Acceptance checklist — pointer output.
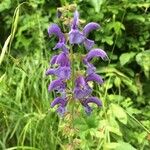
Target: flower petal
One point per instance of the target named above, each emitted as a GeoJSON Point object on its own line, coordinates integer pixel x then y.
{"type": "Point", "coordinates": [58, 101]}
{"type": "Point", "coordinates": [82, 89]}
{"type": "Point", "coordinates": [88, 109]}
{"type": "Point", "coordinates": [54, 29]}
{"type": "Point", "coordinates": [57, 84]}
{"type": "Point", "coordinates": [90, 67]}
{"type": "Point", "coordinates": [61, 45]}
{"type": "Point", "coordinates": [75, 21]}
{"type": "Point", "coordinates": [63, 59]}
{"type": "Point", "coordinates": [94, 77]}
{"type": "Point", "coordinates": [88, 44]}
{"type": "Point", "coordinates": [86, 102]}
{"type": "Point", "coordinates": [80, 82]}
{"type": "Point", "coordinates": [96, 53]}
{"type": "Point", "coordinates": [89, 27]}
{"type": "Point", "coordinates": [53, 59]}
{"type": "Point", "coordinates": [62, 105]}
{"type": "Point", "coordinates": [82, 93]}
{"type": "Point", "coordinates": [63, 73]}
{"type": "Point", "coordinates": [95, 100]}
{"type": "Point", "coordinates": [61, 111]}
{"type": "Point", "coordinates": [76, 37]}
{"type": "Point", "coordinates": [51, 72]}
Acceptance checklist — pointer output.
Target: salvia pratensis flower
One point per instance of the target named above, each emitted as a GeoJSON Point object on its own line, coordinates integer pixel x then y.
{"type": "Point", "coordinates": [96, 53]}
{"type": "Point", "coordinates": [55, 30]}
{"type": "Point", "coordinates": [61, 72]}
{"type": "Point", "coordinates": [57, 84]}
{"type": "Point", "coordinates": [86, 30]}
{"type": "Point", "coordinates": [61, 102]}
{"type": "Point", "coordinates": [82, 89]}
{"type": "Point", "coordinates": [75, 36]}
{"type": "Point", "coordinates": [86, 102]}
{"type": "Point", "coordinates": [94, 77]}
{"type": "Point", "coordinates": [61, 66]}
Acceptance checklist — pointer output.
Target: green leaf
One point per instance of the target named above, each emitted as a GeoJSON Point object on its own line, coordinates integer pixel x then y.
{"type": "Point", "coordinates": [117, 82]}
{"type": "Point", "coordinates": [119, 113]}
{"type": "Point", "coordinates": [135, 17]}
{"type": "Point", "coordinates": [118, 146]}
{"type": "Point", "coordinates": [114, 130]}
{"type": "Point", "coordinates": [126, 58]}
{"type": "Point", "coordinates": [5, 4]}
{"type": "Point", "coordinates": [96, 4]}
{"type": "Point", "coordinates": [143, 59]}
{"type": "Point", "coordinates": [108, 40]}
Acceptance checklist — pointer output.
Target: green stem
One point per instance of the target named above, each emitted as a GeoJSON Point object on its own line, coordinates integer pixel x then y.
{"type": "Point", "coordinates": [138, 122]}
{"type": "Point", "coordinates": [73, 70]}
{"type": "Point", "coordinates": [72, 88]}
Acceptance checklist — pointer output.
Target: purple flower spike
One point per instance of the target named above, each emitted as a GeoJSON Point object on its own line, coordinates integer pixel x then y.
{"type": "Point", "coordinates": [62, 105]}
{"type": "Point", "coordinates": [96, 53]}
{"type": "Point", "coordinates": [57, 85]}
{"type": "Point", "coordinates": [94, 77]}
{"type": "Point", "coordinates": [90, 27]}
{"type": "Point", "coordinates": [61, 66]}
{"type": "Point", "coordinates": [82, 89]}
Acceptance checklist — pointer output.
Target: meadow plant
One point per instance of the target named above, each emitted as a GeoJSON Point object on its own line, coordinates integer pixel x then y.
{"type": "Point", "coordinates": [63, 67]}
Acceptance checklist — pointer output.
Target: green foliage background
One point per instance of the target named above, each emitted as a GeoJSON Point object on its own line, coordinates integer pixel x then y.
{"type": "Point", "coordinates": [26, 119]}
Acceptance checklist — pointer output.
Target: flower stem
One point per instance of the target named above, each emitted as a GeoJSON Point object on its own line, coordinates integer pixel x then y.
{"type": "Point", "coordinates": [72, 88]}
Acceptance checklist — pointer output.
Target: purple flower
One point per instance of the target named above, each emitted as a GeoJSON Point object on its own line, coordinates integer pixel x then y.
{"type": "Point", "coordinates": [90, 67]}
{"type": "Point", "coordinates": [94, 77]}
{"type": "Point", "coordinates": [61, 72]}
{"type": "Point", "coordinates": [96, 53]}
{"type": "Point", "coordinates": [63, 60]}
{"type": "Point", "coordinates": [57, 84]}
{"type": "Point", "coordinates": [88, 100]}
{"type": "Point", "coordinates": [53, 59]}
{"type": "Point", "coordinates": [62, 102]}
{"type": "Point", "coordinates": [86, 30]}
{"type": "Point", "coordinates": [61, 45]}
{"type": "Point", "coordinates": [75, 36]}
{"type": "Point", "coordinates": [90, 27]}
{"type": "Point", "coordinates": [55, 30]}
{"type": "Point", "coordinates": [82, 89]}
{"type": "Point", "coordinates": [88, 43]}
{"type": "Point", "coordinates": [61, 65]}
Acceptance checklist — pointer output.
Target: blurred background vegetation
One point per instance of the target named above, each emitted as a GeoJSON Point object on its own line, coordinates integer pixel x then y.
{"type": "Point", "coordinates": [26, 119]}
